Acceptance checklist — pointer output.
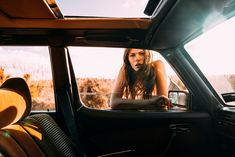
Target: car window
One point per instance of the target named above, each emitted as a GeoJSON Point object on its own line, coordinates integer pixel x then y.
{"type": "Point", "coordinates": [96, 70]}
{"type": "Point", "coordinates": [32, 64]}
{"type": "Point", "coordinates": [115, 8]}
{"type": "Point", "coordinates": [213, 52]}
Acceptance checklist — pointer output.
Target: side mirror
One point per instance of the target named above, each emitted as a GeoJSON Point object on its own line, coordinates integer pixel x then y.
{"type": "Point", "coordinates": [179, 99]}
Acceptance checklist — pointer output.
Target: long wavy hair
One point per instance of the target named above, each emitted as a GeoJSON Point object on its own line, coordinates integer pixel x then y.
{"type": "Point", "coordinates": [141, 81]}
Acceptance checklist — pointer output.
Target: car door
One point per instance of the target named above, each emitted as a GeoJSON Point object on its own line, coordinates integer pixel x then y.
{"type": "Point", "coordinates": [218, 75]}
{"type": "Point", "coordinates": [106, 132]}
{"type": "Point", "coordinates": [141, 133]}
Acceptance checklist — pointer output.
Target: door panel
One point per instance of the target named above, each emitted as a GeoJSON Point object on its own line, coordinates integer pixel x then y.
{"type": "Point", "coordinates": [142, 133]}
{"type": "Point", "coordinates": [225, 131]}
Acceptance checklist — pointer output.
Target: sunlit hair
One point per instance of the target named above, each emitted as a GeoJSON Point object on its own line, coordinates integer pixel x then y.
{"type": "Point", "coordinates": [146, 77]}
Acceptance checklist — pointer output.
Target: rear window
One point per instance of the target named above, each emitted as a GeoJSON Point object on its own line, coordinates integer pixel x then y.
{"type": "Point", "coordinates": [32, 64]}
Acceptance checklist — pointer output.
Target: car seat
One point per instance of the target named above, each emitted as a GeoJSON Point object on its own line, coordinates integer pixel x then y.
{"type": "Point", "coordinates": [22, 134]}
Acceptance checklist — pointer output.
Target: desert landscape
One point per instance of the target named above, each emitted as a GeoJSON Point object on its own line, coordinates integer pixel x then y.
{"type": "Point", "coordinates": [95, 92]}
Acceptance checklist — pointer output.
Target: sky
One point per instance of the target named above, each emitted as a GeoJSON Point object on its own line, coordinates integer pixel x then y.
{"type": "Point", "coordinates": [102, 62]}
{"type": "Point", "coordinates": [87, 61]}
{"type": "Point", "coordinates": [19, 60]}
{"type": "Point", "coordinates": [104, 8]}
{"type": "Point", "coordinates": [217, 47]}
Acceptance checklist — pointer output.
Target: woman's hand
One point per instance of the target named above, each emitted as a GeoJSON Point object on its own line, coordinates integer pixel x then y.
{"type": "Point", "coordinates": [160, 102]}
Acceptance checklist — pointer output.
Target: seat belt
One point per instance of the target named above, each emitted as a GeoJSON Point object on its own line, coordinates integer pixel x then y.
{"type": "Point", "coordinates": [75, 93]}
{"type": "Point", "coordinates": [66, 107]}
{"type": "Point", "coordinates": [64, 98]}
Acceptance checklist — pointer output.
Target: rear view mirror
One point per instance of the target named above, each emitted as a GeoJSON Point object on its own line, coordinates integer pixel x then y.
{"type": "Point", "coordinates": [179, 98]}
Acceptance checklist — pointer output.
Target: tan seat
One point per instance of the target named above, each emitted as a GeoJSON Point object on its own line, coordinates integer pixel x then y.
{"type": "Point", "coordinates": [23, 135]}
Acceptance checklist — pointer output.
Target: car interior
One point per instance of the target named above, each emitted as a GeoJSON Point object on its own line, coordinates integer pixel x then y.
{"type": "Point", "coordinates": [204, 126]}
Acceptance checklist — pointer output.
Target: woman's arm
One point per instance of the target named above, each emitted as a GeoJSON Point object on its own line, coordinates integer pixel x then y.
{"type": "Point", "coordinates": [156, 102]}
{"type": "Point", "coordinates": [161, 78]}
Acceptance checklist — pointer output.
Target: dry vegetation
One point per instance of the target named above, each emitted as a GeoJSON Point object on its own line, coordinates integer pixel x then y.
{"type": "Point", "coordinates": [41, 91]}
{"type": "Point", "coordinates": [95, 93]}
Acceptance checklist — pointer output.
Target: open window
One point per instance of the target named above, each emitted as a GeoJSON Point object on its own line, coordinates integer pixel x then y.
{"type": "Point", "coordinates": [97, 68]}
{"type": "Point", "coordinates": [33, 64]}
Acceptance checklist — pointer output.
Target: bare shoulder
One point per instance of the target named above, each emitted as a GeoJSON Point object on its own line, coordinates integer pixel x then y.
{"type": "Point", "coordinates": [157, 64]}
{"type": "Point", "coordinates": [122, 71]}
{"type": "Point", "coordinates": [121, 76]}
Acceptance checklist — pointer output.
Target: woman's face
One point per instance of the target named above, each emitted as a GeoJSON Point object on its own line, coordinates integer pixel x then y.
{"type": "Point", "coordinates": [136, 58]}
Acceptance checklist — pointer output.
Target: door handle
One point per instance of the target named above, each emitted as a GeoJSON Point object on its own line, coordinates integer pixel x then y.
{"type": "Point", "coordinates": [180, 128]}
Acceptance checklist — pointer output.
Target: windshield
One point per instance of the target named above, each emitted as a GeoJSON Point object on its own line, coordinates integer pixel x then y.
{"type": "Point", "coordinates": [214, 53]}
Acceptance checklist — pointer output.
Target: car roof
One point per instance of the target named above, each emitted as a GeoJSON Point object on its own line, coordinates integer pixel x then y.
{"type": "Point", "coordinates": [173, 22]}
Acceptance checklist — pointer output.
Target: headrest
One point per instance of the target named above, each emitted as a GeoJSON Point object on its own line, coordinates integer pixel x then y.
{"type": "Point", "coordinates": [15, 101]}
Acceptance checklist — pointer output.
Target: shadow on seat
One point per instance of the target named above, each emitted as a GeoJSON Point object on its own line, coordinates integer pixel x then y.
{"type": "Point", "coordinates": [23, 135]}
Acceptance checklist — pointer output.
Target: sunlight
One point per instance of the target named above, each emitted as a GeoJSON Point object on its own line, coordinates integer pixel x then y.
{"type": "Point", "coordinates": [33, 60]}
{"type": "Point", "coordinates": [102, 62]}
{"type": "Point", "coordinates": [212, 45]}
{"type": "Point", "coordinates": [34, 131]}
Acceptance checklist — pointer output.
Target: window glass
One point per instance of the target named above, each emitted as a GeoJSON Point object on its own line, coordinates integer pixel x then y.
{"type": "Point", "coordinates": [97, 68]}
{"type": "Point", "coordinates": [214, 53]}
{"type": "Point", "coordinates": [32, 64]}
{"type": "Point", "coordinates": [107, 8]}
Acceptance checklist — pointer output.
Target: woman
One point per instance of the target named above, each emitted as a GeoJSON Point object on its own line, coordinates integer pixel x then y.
{"type": "Point", "coordinates": [141, 84]}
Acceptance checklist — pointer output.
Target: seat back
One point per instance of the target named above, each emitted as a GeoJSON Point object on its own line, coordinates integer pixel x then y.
{"type": "Point", "coordinates": [23, 135]}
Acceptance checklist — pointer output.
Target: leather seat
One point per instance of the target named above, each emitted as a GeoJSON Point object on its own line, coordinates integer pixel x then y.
{"type": "Point", "coordinates": [23, 135]}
